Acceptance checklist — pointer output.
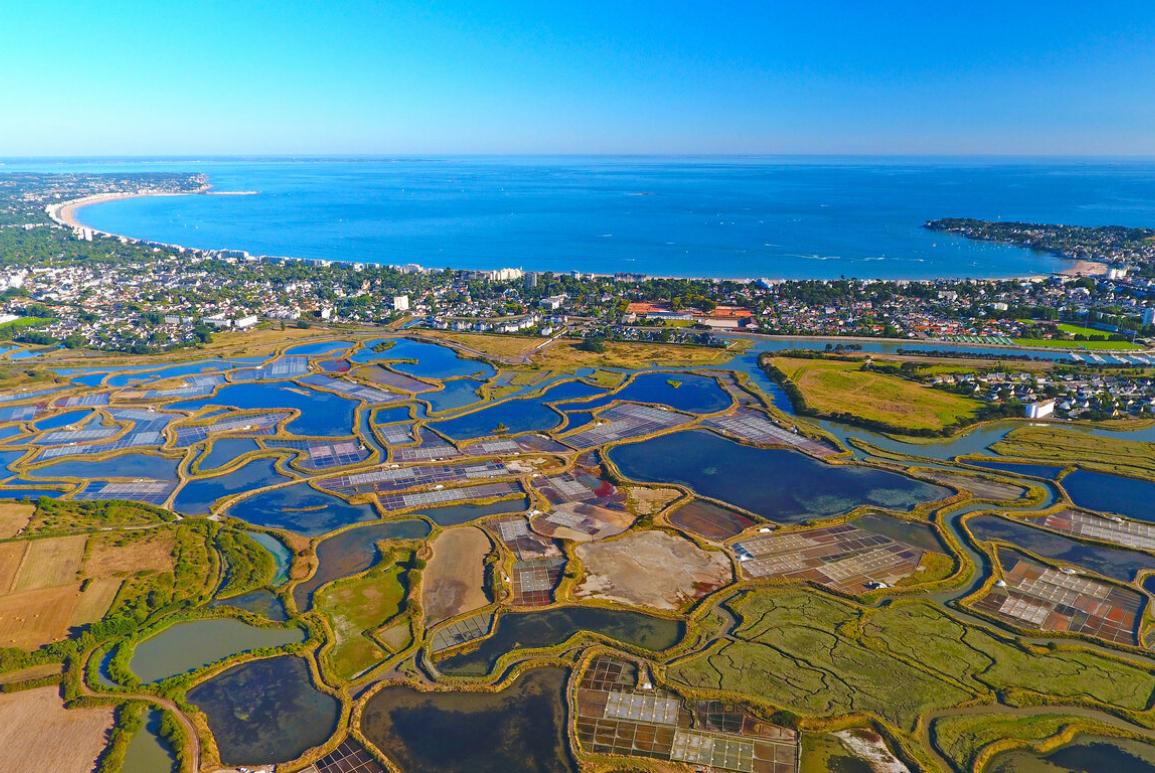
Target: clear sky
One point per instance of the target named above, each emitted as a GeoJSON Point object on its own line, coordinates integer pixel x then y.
{"type": "Point", "coordinates": [143, 77]}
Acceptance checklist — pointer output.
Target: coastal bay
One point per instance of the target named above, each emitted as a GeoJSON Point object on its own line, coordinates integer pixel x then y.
{"type": "Point", "coordinates": [733, 217]}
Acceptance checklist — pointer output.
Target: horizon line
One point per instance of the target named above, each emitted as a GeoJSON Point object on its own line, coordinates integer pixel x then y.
{"type": "Point", "coordinates": [437, 155]}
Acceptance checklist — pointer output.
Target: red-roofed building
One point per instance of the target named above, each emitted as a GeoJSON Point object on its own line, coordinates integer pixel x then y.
{"type": "Point", "coordinates": [727, 317]}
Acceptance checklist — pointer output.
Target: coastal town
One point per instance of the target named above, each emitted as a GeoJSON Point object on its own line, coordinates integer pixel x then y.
{"type": "Point", "coordinates": [113, 292]}
{"type": "Point", "coordinates": [66, 285]}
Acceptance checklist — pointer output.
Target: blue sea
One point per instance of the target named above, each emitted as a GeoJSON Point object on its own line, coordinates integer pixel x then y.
{"type": "Point", "coordinates": [805, 217]}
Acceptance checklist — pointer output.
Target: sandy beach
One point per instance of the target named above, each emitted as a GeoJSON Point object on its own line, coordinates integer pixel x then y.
{"type": "Point", "coordinates": [65, 212]}
{"type": "Point", "coordinates": [1085, 268]}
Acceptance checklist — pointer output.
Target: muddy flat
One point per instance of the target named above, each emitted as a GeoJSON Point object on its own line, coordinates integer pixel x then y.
{"type": "Point", "coordinates": [453, 581]}
{"type": "Point", "coordinates": [651, 568]}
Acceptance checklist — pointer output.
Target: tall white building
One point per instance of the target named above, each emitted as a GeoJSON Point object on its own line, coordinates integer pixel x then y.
{"type": "Point", "coordinates": [400, 303]}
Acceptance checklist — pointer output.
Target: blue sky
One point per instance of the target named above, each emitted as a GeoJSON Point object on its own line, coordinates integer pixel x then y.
{"type": "Point", "coordinates": [351, 76]}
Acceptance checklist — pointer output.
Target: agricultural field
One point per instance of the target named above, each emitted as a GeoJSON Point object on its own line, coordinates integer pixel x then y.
{"type": "Point", "coordinates": [32, 618]}
{"type": "Point", "coordinates": [38, 733]}
{"type": "Point", "coordinates": [14, 518]}
{"type": "Point", "coordinates": [758, 594]}
{"type": "Point", "coordinates": [119, 554]}
{"type": "Point", "coordinates": [50, 562]}
{"type": "Point", "coordinates": [11, 557]}
{"type": "Point", "coordinates": [833, 387]}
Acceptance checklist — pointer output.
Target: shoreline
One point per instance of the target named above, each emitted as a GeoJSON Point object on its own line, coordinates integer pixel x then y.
{"type": "Point", "coordinates": [1084, 267]}
{"type": "Point", "coordinates": [65, 213]}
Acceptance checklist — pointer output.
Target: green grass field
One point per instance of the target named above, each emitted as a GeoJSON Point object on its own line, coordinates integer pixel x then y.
{"type": "Point", "coordinates": [23, 322]}
{"type": "Point", "coordinates": [824, 657]}
{"type": "Point", "coordinates": [1054, 445]}
{"type": "Point", "coordinates": [1079, 330]}
{"type": "Point", "coordinates": [835, 386]}
{"type": "Point", "coordinates": [1058, 343]}
{"type": "Point", "coordinates": [356, 608]}
{"type": "Point", "coordinates": [962, 738]}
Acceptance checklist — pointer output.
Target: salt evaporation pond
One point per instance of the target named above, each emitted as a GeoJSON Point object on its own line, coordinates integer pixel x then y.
{"type": "Point", "coordinates": [781, 485]}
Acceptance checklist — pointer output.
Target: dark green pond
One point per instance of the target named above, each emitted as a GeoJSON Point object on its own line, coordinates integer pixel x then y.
{"type": "Point", "coordinates": [521, 728]}
{"type": "Point", "coordinates": [266, 711]}
{"type": "Point", "coordinates": [785, 486]}
{"type": "Point", "coordinates": [147, 752]}
{"type": "Point", "coordinates": [187, 646]}
{"type": "Point", "coordinates": [527, 630]}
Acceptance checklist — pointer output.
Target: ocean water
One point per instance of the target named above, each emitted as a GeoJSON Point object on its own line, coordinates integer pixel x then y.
{"type": "Point", "coordinates": [731, 217]}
